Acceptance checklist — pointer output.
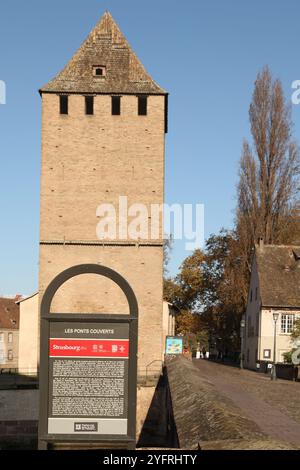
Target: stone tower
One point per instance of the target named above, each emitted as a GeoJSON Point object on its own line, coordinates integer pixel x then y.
{"type": "Point", "coordinates": [103, 136]}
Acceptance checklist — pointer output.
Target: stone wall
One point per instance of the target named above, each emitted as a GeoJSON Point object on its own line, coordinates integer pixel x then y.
{"type": "Point", "coordinates": [88, 161]}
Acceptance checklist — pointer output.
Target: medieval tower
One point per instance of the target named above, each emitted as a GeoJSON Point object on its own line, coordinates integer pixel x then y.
{"type": "Point", "coordinates": [104, 121]}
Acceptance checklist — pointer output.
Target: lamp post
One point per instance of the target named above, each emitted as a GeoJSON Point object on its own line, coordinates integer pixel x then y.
{"type": "Point", "coordinates": [273, 374]}
{"type": "Point", "coordinates": [242, 330]}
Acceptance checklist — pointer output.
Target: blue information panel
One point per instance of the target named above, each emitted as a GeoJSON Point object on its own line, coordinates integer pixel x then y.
{"type": "Point", "coordinates": [174, 345]}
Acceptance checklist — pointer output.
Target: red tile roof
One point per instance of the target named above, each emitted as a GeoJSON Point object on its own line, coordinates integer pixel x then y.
{"type": "Point", "coordinates": [9, 314]}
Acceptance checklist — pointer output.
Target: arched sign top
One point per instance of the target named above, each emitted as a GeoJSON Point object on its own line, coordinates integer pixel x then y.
{"type": "Point", "coordinates": [68, 341]}
{"type": "Point", "coordinates": [80, 269]}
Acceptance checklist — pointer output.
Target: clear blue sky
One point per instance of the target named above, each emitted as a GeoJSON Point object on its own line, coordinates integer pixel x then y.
{"type": "Point", "coordinates": [205, 53]}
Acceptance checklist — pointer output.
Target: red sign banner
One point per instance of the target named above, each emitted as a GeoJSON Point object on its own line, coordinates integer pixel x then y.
{"type": "Point", "coordinates": [88, 348]}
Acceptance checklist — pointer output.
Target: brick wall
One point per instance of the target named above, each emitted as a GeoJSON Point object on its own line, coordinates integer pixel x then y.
{"type": "Point", "coordinates": [87, 161]}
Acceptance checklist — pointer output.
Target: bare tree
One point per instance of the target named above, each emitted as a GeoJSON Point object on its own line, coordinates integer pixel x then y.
{"type": "Point", "coordinates": [269, 172]}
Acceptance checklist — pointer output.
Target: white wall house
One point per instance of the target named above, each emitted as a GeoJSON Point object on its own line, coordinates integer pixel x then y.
{"type": "Point", "coordinates": [274, 288]}
{"type": "Point", "coordinates": [28, 335]}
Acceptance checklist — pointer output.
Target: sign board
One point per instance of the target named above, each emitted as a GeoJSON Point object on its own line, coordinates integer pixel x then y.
{"type": "Point", "coordinates": [88, 378]}
{"type": "Point", "coordinates": [88, 370]}
{"type": "Point", "coordinates": [174, 345]}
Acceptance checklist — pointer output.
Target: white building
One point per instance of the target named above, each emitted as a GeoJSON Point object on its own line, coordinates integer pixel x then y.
{"type": "Point", "coordinates": [274, 289]}
{"type": "Point", "coordinates": [28, 335]}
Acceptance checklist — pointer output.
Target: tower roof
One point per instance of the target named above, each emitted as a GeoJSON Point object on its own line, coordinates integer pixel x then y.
{"type": "Point", "coordinates": [105, 47]}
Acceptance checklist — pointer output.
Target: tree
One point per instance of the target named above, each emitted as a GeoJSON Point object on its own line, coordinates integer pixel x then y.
{"type": "Point", "coordinates": [295, 335]}
{"type": "Point", "coordinates": [185, 289]}
{"type": "Point", "coordinates": [207, 290]}
{"type": "Point", "coordinates": [214, 284]}
{"type": "Point", "coordinates": [223, 290]}
{"type": "Point", "coordinates": [184, 292]}
{"type": "Point", "coordinates": [268, 203]}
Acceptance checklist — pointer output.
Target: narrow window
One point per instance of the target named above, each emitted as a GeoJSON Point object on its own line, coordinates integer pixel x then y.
{"type": "Point", "coordinates": [10, 355]}
{"type": "Point", "coordinates": [89, 105]}
{"type": "Point", "coordinates": [142, 105]}
{"type": "Point", "coordinates": [251, 295]}
{"type": "Point", "coordinates": [116, 105]}
{"type": "Point", "coordinates": [63, 99]}
{"type": "Point", "coordinates": [10, 337]}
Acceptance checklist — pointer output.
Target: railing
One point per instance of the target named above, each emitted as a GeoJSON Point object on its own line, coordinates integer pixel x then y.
{"type": "Point", "coordinates": [150, 374]}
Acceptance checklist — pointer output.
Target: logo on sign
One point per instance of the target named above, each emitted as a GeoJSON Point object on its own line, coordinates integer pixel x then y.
{"type": "Point", "coordinates": [85, 427]}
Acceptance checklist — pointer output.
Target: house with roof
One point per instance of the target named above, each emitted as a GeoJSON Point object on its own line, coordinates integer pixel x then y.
{"type": "Point", "coordinates": [9, 333]}
{"type": "Point", "coordinates": [274, 289]}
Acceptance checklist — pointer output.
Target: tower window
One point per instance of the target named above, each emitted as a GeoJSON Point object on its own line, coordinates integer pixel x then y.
{"type": "Point", "coordinates": [63, 101]}
{"type": "Point", "coordinates": [116, 105]}
{"type": "Point", "coordinates": [142, 105]}
{"type": "Point", "coordinates": [99, 71]}
{"type": "Point", "coordinates": [89, 105]}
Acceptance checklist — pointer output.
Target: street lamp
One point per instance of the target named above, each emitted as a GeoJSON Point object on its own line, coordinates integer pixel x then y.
{"type": "Point", "coordinates": [242, 324]}
{"type": "Point", "coordinates": [273, 374]}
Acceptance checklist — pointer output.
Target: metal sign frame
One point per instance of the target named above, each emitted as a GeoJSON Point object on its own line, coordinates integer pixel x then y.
{"type": "Point", "coordinates": [128, 441]}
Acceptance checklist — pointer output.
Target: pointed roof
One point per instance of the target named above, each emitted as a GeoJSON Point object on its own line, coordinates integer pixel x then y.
{"type": "Point", "coordinates": [105, 46]}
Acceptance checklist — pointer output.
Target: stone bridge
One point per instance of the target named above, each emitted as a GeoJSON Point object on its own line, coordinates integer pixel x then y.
{"type": "Point", "coordinates": [197, 405]}
{"type": "Point", "coordinates": [221, 407]}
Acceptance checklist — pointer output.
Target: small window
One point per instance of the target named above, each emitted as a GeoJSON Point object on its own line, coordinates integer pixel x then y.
{"type": "Point", "coordinates": [10, 337]}
{"type": "Point", "coordinates": [267, 353]}
{"type": "Point", "coordinates": [116, 105]}
{"type": "Point", "coordinates": [63, 99]}
{"type": "Point", "coordinates": [142, 105]}
{"type": "Point", "coordinates": [251, 295]}
{"type": "Point", "coordinates": [89, 105]}
{"type": "Point", "coordinates": [1, 337]}
{"type": "Point", "coordinates": [287, 323]}
{"type": "Point", "coordinates": [10, 355]}
{"type": "Point", "coordinates": [99, 71]}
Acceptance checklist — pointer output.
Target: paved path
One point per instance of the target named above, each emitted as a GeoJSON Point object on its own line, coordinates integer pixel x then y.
{"type": "Point", "coordinates": [271, 405]}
